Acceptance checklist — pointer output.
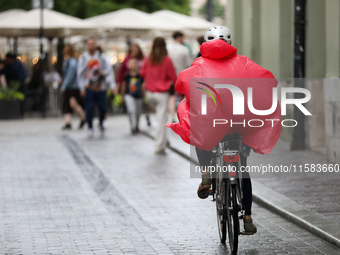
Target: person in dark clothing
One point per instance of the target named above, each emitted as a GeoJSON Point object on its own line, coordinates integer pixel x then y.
{"type": "Point", "coordinates": [35, 87]}
{"type": "Point", "coordinates": [14, 71]}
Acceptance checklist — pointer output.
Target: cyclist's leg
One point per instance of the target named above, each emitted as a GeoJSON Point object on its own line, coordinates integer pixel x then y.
{"type": "Point", "coordinates": [204, 158]}
{"type": "Point", "coordinates": [247, 188]}
{"type": "Point", "coordinates": [249, 227]}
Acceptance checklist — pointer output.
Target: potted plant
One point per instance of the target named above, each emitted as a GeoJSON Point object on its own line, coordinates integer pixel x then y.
{"type": "Point", "coordinates": [10, 102]}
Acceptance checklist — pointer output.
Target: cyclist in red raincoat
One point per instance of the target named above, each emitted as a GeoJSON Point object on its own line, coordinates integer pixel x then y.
{"type": "Point", "coordinates": [219, 60]}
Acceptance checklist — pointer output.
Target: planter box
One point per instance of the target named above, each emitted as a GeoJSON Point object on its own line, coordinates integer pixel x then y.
{"type": "Point", "coordinates": [10, 109]}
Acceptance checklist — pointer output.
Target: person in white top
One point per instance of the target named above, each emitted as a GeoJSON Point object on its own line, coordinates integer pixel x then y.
{"type": "Point", "coordinates": [180, 56]}
{"type": "Point", "coordinates": [93, 73]}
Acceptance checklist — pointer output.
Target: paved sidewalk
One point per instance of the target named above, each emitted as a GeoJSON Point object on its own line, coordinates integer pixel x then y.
{"type": "Point", "coordinates": [310, 190]}
{"type": "Point", "coordinates": [64, 194]}
{"type": "Point", "coordinates": [314, 197]}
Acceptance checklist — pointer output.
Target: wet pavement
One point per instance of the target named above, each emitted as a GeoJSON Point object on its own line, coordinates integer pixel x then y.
{"type": "Point", "coordinates": [316, 191]}
{"type": "Point", "coordinates": [62, 193]}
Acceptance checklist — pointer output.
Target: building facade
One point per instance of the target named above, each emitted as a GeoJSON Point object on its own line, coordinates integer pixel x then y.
{"type": "Point", "coordinates": [263, 30]}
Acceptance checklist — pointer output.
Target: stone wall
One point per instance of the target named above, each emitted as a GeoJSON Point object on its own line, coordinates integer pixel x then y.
{"type": "Point", "coordinates": [332, 118]}
{"type": "Point", "coordinates": [287, 132]}
{"type": "Point", "coordinates": [315, 124]}
{"type": "Point", "coordinates": [263, 30]}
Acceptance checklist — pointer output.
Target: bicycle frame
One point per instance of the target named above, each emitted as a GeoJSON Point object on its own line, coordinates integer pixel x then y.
{"type": "Point", "coordinates": [220, 151]}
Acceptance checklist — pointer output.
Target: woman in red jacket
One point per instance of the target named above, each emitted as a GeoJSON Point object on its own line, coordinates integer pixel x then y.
{"type": "Point", "coordinates": [158, 72]}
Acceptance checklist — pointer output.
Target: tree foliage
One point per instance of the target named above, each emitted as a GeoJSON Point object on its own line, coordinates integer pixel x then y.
{"type": "Point", "coordinates": [90, 8]}
{"type": "Point", "coordinates": [15, 4]}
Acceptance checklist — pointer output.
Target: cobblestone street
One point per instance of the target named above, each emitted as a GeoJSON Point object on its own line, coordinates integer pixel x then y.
{"type": "Point", "coordinates": [62, 193]}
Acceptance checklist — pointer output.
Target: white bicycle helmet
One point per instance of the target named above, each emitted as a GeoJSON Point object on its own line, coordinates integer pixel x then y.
{"type": "Point", "coordinates": [218, 32]}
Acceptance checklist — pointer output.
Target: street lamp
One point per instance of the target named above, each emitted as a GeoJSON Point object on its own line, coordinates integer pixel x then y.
{"type": "Point", "coordinates": [210, 10]}
{"type": "Point", "coordinates": [41, 34]}
{"type": "Point", "coordinates": [41, 4]}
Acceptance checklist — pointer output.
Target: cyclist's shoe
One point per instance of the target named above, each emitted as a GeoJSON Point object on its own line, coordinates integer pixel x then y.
{"type": "Point", "coordinates": [204, 186]}
{"type": "Point", "coordinates": [249, 227]}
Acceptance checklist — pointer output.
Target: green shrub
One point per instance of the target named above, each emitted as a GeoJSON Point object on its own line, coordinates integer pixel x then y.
{"type": "Point", "coordinates": [11, 93]}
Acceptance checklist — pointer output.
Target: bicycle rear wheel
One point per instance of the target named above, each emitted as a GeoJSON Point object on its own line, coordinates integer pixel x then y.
{"type": "Point", "coordinates": [221, 208]}
{"type": "Point", "coordinates": [232, 217]}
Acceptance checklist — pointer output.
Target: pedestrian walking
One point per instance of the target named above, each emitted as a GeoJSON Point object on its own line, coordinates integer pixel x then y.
{"type": "Point", "coordinates": [134, 51]}
{"type": "Point", "coordinates": [109, 79]}
{"type": "Point", "coordinates": [133, 94]}
{"type": "Point", "coordinates": [180, 56]}
{"type": "Point", "coordinates": [92, 72]}
{"type": "Point", "coordinates": [52, 77]}
{"type": "Point", "coordinates": [159, 72]}
{"type": "Point", "coordinates": [72, 101]}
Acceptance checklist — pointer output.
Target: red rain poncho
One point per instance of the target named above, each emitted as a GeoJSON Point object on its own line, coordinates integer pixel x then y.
{"type": "Point", "coordinates": [219, 60]}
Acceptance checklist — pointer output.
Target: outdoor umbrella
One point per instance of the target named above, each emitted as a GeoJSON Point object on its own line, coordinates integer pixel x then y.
{"type": "Point", "coordinates": [10, 13]}
{"type": "Point", "coordinates": [4, 41]}
{"type": "Point", "coordinates": [130, 21]}
{"type": "Point", "coordinates": [56, 24]}
{"type": "Point", "coordinates": [191, 26]}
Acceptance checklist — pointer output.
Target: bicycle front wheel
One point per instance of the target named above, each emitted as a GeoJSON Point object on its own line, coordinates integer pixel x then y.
{"type": "Point", "coordinates": [232, 217]}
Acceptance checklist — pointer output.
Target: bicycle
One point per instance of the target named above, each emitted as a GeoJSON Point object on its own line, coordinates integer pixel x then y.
{"type": "Point", "coordinates": [227, 188]}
